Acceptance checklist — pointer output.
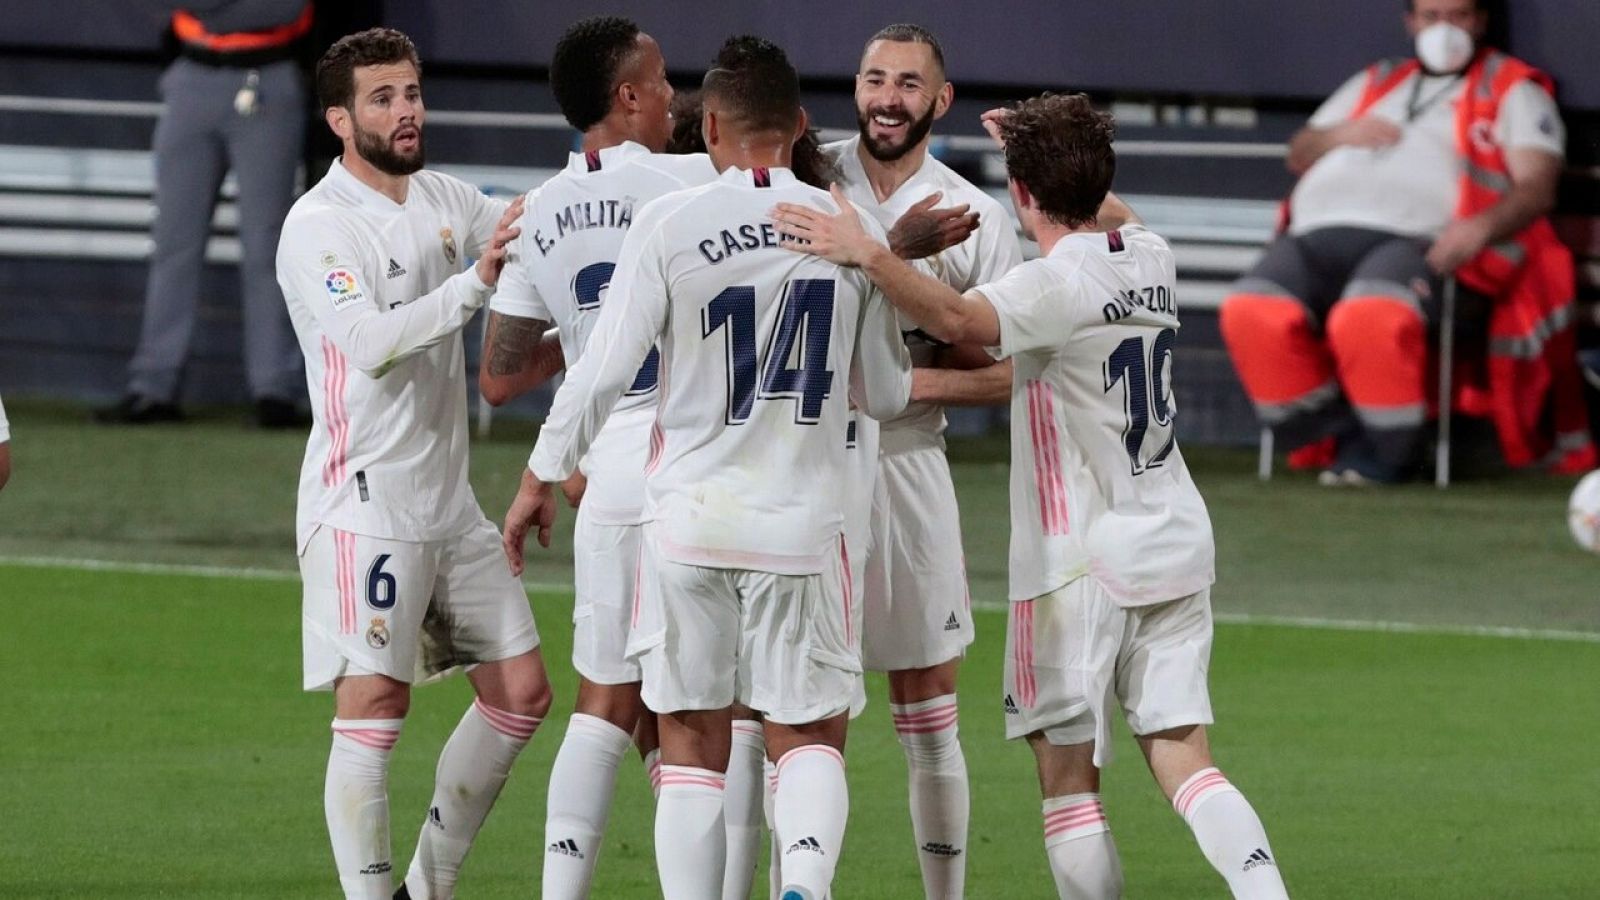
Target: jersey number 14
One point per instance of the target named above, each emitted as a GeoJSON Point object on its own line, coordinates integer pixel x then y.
{"type": "Point", "coordinates": [801, 335]}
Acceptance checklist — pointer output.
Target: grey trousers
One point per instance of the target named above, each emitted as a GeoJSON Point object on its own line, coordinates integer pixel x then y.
{"type": "Point", "coordinates": [199, 137]}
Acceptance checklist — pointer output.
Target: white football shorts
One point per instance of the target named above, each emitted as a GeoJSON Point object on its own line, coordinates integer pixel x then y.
{"type": "Point", "coordinates": [1069, 651]}
{"type": "Point", "coordinates": [915, 603]}
{"type": "Point", "coordinates": [780, 644]}
{"type": "Point", "coordinates": [411, 611]}
{"type": "Point", "coordinates": [605, 562]}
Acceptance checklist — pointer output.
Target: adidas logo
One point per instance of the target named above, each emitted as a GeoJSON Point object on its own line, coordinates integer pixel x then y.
{"type": "Point", "coordinates": [395, 269]}
{"type": "Point", "coordinates": [1258, 858]}
{"type": "Point", "coordinates": [941, 849]}
{"type": "Point", "coordinates": [1011, 707]}
{"type": "Point", "coordinates": [805, 843]}
{"type": "Point", "coordinates": [952, 623]}
{"type": "Point", "coordinates": [566, 847]}
{"type": "Point", "coordinates": [434, 818]}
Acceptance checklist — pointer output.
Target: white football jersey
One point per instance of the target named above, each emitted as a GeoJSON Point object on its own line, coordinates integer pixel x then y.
{"type": "Point", "coordinates": [5, 426]}
{"type": "Point", "coordinates": [762, 350]}
{"type": "Point", "coordinates": [985, 256]}
{"type": "Point", "coordinates": [559, 269]}
{"type": "Point", "coordinates": [1098, 485]}
{"type": "Point", "coordinates": [378, 297]}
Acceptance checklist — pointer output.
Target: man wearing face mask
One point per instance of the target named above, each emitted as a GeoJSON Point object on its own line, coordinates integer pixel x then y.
{"type": "Point", "coordinates": [1441, 165]}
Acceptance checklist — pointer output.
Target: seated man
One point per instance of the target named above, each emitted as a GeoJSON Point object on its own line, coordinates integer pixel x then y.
{"type": "Point", "coordinates": [1413, 171]}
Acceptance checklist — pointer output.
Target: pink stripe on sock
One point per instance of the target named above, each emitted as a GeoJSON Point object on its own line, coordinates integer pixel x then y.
{"type": "Point", "coordinates": [376, 738]}
{"type": "Point", "coordinates": [672, 777]}
{"type": "Point", "coordinates": [745, 726]}
{"type": "Point", "coordinates": [808, 748]}
{"type": "Point", "coordinates": [1200, 784]}
{"type": "Point", "coordinates": [510, 724]}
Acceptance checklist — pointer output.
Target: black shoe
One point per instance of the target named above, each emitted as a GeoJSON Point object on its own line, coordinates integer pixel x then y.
{"type": "Point", "coordinates": [402, 894]}
{"type": "Point", "coordinates": [136, 410]}
{"type": "Point", "coordinates": [274, 413]}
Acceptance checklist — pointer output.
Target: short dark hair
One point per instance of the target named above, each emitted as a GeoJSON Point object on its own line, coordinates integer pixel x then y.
{"type": "Point", "coordinates": [1059, 147]}
{"type": "Point", "coordinates": [1477, 5]}
{"type": "Point", "coordinates": [584, 69]}
{"type": "Point", "coordinates": [336, 70]}
{"type": "Point", "coordinates": [752, 77]}
{"type": "Point", "coordinates": [906, 33]}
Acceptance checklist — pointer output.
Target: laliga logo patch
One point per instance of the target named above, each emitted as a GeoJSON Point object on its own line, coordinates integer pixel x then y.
{"type": "Point", "coordinates": [342, 286]}
{"type": "Point", "coordinates": [447, 239]}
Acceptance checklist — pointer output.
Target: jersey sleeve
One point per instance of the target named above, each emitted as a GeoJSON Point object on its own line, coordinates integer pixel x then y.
{"type": "Point", "coordinates": [338, 296]}
{"type": "Point", "coordinates": [1035, 309]}
{"type": "Point", "coordinates": [1341, 104]}
{"type": "Point", "coordinates": [631, 320]}
{"type": "Point", "coordinates": [5, 426]}
{"type": "Point", "coordinates": [1530, 120]}
{"type": "Point", "coordinates": [517, 294]}
{"type": "Point", "coordinates": [880, 369]}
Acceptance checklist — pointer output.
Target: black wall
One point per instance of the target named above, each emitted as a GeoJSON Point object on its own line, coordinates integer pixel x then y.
{"type": "Point", "coordinates": [1245, 48]}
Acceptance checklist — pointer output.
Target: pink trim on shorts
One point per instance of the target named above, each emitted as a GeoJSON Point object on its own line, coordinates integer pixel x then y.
{"type": "Point", "coordinates": [849, 592]}
{"type": "Point", "coordinates": [344, 576]}
{"type": "Point", "coordinates": [1022, 652]}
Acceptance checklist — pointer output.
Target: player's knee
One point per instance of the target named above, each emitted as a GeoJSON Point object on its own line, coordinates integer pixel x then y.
{"type": "Point", "coordinates": [529, 696]}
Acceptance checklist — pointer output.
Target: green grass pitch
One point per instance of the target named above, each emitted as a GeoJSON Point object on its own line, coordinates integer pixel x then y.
{"type": "Point", "coordinates": [154, 743]}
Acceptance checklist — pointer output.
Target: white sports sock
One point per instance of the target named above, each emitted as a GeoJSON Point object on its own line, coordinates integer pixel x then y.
{"type": "Point", "coordinates": [940, 806]}
{"type": "Point", "coordinates": [472, 769]}
{"type": "Point", "coordinates": [582, 781]}
{"type": "Point", "coordinates": [1083, 857]}
{"type": "Point", "coordinates": [810, 810]}
{"type": "Point", "coordinates": [690, 835]}
{"type": "Point", "coordinates": [1230, 834]}
{"type": "Point", "coordinates": [356, 800]}
{"type": "Point", "coordinates": [652, 768]}
{"type": "Point", "coordinates": [742, 805]}
{"type": "Point", "coordinates": [769, 772]}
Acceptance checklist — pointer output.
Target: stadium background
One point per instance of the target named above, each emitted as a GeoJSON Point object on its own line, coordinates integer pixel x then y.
{"type": "Point", "coordinates": [1404, 681]}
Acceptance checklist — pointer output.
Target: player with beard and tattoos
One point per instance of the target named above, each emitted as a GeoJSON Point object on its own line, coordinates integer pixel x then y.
{"type": "Point", "coordinates": [917, 612]}
{"type": "Point", "coordinates": [404, 578]}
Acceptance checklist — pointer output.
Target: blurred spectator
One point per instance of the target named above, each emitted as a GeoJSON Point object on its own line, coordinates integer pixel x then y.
{"type": "Point", "coordinates": [234, 98]}
{"type": "Point", "coordinates": [1415, 170]}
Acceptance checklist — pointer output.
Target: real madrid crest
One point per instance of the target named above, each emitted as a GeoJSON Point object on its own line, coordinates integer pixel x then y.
{"type": "Point", "coordinates": [448, 240]}
{"type": "Point", "coordinates": [378, 634]}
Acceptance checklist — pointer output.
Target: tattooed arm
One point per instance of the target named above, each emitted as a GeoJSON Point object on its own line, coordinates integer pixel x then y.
{"type": "Point", "coordinates": [519, 355]}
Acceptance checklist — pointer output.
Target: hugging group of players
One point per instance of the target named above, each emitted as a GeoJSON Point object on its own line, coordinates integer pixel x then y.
{"type": "Point", "coordinates": [759, 334]}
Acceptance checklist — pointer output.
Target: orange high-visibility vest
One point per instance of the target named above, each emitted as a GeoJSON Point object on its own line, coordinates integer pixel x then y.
{"type": "Point", "coordinates": [1532, 344]}
{"type": "Point", "coordinates": [189, 30]}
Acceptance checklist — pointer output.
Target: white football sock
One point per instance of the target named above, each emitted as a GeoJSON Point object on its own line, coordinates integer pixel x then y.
{"type": "Point", "coordinates": [1230, 834]}
{"type": "Point", "coordinates": [472, 769]}
{"type": "Point", "coordinates": [356, 801]}
{"type": "Point", "coordinates": [652, 768]}
{"type": "Point", "coordinates": [769, 772]}
{"type": "Point", "coordinates": [1083, 857]}
{"type": "Point", "coordinates": [810, 810]}
{"type": "Point", "coordinates": [582, 782]}
{"type": "Point", "coordinates": [690, 835]}
{"type": "Point", "coordinates": [937, 772]}
{"type": "Point", "coordinates": [742, 804]}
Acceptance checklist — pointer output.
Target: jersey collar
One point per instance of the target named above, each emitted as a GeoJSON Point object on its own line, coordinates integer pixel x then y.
{"type": "Point", "coordinates": [353, 189]}
{"type": "Point", "coordinates": [855, 172]}
{"type": "Point", "coordinates": [599, 160]}
{"type": "Point", "coordinates": [761, 176]}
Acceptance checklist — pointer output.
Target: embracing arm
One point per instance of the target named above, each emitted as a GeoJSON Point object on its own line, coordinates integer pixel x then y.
{"type": "Point", "coordinates": [519, 354]}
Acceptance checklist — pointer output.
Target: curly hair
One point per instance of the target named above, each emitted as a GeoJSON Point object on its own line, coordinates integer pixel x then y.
{"type": "Point", "coordinates": [1058, 146]}
{"type": "Point", "coordinates": [336, 70]}
{"type": "Point", "coordinates": [584, 69]}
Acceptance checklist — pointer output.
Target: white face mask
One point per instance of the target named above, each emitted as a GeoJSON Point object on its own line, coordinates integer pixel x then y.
{"type": "Point", "coordinates": [1443, 48]}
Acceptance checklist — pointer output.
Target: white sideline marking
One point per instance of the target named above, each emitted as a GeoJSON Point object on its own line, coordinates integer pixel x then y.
{"type": "Point", "coordinates": [1311, 622]}
{"type": "Point", "coordinates": [111, 565]}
